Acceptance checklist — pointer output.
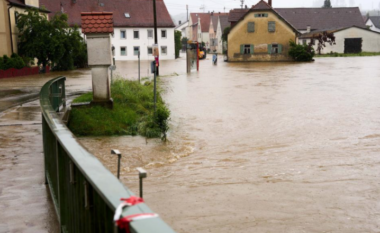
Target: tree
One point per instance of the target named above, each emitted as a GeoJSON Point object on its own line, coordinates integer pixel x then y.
{"type": "Point", "coordinates": [322, 39]}
{"type": "Point", "coordinates": [327, 4]}
{"type": "Point", "coordinates": [178, 44]}
{"type": "Point", "coordinates": [49, 41]}
{"type": "Point", "coordinates": [225, 34]}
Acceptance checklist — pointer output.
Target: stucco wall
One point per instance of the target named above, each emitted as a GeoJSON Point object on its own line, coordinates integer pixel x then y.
{"type": "Point", "coordinates": [143, 42]}
{"type": "Point", "coordinates": [239, 36]}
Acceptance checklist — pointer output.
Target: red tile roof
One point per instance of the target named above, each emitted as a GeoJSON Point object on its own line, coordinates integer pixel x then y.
{"type": "Point", "coordinates": [205, 20]}
{"type": "Point", "coordinates": [97, 22]}
{"type": "Point", "coordinates": [140, 11]}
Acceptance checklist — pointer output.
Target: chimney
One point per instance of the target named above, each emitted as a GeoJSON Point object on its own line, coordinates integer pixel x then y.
{"type": "Point", "coordinates": [308, 29]}
{"type": "Point", "coordinates": [270, 2]}
{"type": "Point", "coordinates": [179, 22]}
{"type": "Point", "coordinates": [246, 7]}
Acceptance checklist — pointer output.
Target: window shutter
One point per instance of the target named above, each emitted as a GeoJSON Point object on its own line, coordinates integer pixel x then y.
{"type": "Point", "coordinates": [251, 27]}
{"type": "Point", "coordinates": [279, 48]}
{"type": "Point", "coordinates": [269, 48]}
{"type": "Point", "coordinates": [252, 47]}
{"type": "Point", "coordinates": [271, 26]}
{"type": "Point", "coordinates": [266, 14]}
{"type": "Point", "coordinates": [242, 49]}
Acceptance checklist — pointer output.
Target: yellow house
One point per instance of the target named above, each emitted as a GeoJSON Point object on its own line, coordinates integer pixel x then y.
{"type": "Point", "coordinates": [261, 35]}
{"type": "Point", "coordinates": [8, 30]}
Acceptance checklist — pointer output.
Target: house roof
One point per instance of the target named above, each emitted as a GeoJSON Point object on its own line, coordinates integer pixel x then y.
{"type": "Point", "coordinates": [97, 22]}
{"type": "Point", "coordinates": [224, 22]}
{"type": "Point", "coordinates": [214, 19]}
{"type": "Point", "coordinates": [333, 30]}
{"type": "Point", "coordinates": [183, 25]}
{"type": "Point", "coordinates": [140, 11]}
{"type": "Point", "coordinates": [375, 20]}
{"type": "Point", "coordinates": [21, 4]}
{"type": "Point", "coordinates": [317, 18]}
{"type": "Point", "coordinates": [320, 18]}
{"type": "Point", "coordinates": [205, 20]}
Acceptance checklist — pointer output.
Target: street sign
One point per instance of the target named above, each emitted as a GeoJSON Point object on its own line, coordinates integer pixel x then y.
{"type": "Point", "coordinates": [112, 68]}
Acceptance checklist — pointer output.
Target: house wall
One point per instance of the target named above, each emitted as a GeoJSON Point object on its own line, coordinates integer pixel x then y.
{"type": "Point", "coordinates": [143, 42]}
{"type": "Point", "coordinates": [370, 43]}
{"type": "Point", "coordinates": [371, 26]}
{"type": "Point", "coordinates": [260, 39]}
{"type": "Point", "coordinates": [219, 33]}
{"type": "Point", "coordinates": [32, 3]}
{"type": "Point", "coordinates": [5, 43]}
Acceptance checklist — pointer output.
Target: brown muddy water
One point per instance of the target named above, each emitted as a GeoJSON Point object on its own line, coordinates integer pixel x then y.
{"type": "Point", "coordinates": [262, 147]}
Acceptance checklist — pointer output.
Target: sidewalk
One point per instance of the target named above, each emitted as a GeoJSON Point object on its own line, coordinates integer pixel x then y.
{"type": "Point", "coordinates": [25, 201]}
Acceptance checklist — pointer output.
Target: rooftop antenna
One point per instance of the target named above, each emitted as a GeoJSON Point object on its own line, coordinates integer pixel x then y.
{"type": "Point", "coordinates": [242, 3]}
{"type": "Point", "coordinates": [202, 8]}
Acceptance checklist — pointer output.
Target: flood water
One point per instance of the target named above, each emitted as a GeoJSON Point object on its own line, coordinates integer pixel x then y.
{"type": "Point", "coordinates": [262, 147]}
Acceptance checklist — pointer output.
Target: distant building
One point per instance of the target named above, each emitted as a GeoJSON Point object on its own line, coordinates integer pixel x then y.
{"type": "Point", "coordinates": [373, 23]}
{"type": "Point", "coordinates": [347, 22]}
{"type": "Point", "coordinates": [199, 25]}
{"type": "Point", "coordinates": [133, 25]}
{"type": "Point", "coordinates": [222, 24]}
{"type": "Point", "coordinates": [214, 39]}
{"type": "Point", "coordinates": [9, 9]}
{"type": "Point", "coordinates": [183, 28]}
{"type": "Point", "coordinates": [261, 34]}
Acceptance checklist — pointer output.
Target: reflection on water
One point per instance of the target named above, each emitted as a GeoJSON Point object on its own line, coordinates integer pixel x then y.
{"type": "Point", "coordinates": [262, 147]}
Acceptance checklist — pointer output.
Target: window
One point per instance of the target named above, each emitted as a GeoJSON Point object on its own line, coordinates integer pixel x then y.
{"type": "Point", "coordinates": [251, 27]}
{"type": "Point", "coordinates": [136, 34]}
{"type": "Point", "coordinates": [246, 49]}
{"type": "Point", "coordinates": [150, 33]}
{"type": "Point", "coordinates": [150, 51]}
{"type": "Point", "coordinates": [262, 15]}
{"type": "Point", "coordinates": [123, 35]}
{"type": "Point", "coordinates": [164, 50]}
{"type": "Point", "coordinates": [123, 51]}
{"type": "Point", "coordinates": [304, 42]}
{"type": "Point", "coordinates": [127, 15]}
{"type": "Point", "coordinates": [163, 33]}
{"type": "Point", "coordinates": [274, 48]}
{"type": "Point", "coordinates": [271, 26]}
{"type": "Point", "coordinates": [136, 50]}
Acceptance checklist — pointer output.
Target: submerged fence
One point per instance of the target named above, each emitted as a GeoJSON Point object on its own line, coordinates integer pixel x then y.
{"type": "Point", "coordinates": [84, 192]}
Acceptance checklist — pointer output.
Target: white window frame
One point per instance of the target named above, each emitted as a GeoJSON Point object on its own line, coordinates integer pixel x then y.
{"type": "Point", "coordinates": [162, 52]}
{"type": "Point", "coordinates": [134, 50]}
{"type": "Point", "coordinates": [150, 30]}
{"type": "Point", "coordinates": [125, 34]}
{"type": "Point", "coordinates": [126, 53]}
{"type": "Point", "coordinates": [166, 33]}
{"type": "Point", "coordinates": [138, 33]}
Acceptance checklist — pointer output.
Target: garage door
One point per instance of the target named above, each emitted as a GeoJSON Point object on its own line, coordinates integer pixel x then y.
{"type": "Point", "coordinates": [353, 45]}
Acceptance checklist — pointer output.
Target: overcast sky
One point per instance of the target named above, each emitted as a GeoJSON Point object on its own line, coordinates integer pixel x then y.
{"type": "Point", "coordinates": [179, 6]}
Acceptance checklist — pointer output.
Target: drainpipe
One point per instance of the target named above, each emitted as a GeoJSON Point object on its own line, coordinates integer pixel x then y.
{"type": "Point", "coordinates": [10, 26]}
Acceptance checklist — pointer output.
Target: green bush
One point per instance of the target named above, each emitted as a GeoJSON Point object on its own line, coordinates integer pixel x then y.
{"type": "Point", "coordinates": [15, 61]}
{"type": "Point", "coordinates": [301, 52]}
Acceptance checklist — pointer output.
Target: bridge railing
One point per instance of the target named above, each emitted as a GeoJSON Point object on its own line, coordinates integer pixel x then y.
{"type": "Point", "coordinates": [84, 192]}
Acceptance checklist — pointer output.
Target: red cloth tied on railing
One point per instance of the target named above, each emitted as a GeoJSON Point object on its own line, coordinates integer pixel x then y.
{"type": "Point", "coordinates": [123, 223]}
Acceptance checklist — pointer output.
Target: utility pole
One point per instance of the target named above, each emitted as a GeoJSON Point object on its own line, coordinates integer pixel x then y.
{"type": "Point", "coordinates": [155, 30]}
{"type": "Point", "coordinates": [187, 14]}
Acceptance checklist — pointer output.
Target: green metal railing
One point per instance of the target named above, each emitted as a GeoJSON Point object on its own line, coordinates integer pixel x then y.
{"type": "Point", "coordinates": [84, 192]}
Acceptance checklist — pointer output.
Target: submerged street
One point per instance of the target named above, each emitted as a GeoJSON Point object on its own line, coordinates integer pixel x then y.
{"type": "Point", "coordinates": [262, 147]}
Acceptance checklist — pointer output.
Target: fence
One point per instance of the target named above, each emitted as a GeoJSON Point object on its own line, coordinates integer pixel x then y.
{"type": "Point", "coordinates": [12, 72]}
{"type": "Point", "coordinates": [84, 192]}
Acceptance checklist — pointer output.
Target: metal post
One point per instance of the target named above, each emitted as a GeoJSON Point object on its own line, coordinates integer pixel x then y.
{"type": "Point", "coordinates": [155, 94]}
{"type": "Point", "coordinates": [155, 29]}
{"type": "Point", "coordinates": [139, 64]}
{"type": "Point", "coordinates": [117, 152]}
{"type": "Point", "coordinates": [142, 175]}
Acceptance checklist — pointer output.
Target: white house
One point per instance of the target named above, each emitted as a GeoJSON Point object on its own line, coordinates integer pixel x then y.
{"type": "Point", "coordinates": [373, 23]}
{"type": "Point", "coordinates": [133, 25]}
{"type": "Point", "coordinates": [349, 40]}
{"type": "Point", "coordinates": [199, 25]}
{"type": "Point", "coordinates": [183, 28]}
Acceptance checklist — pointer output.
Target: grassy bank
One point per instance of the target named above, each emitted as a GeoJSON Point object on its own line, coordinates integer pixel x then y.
{"type": "Point", "coordinates": [362, 54]}
{"type": "Point", "coordinates": [133, 113]}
